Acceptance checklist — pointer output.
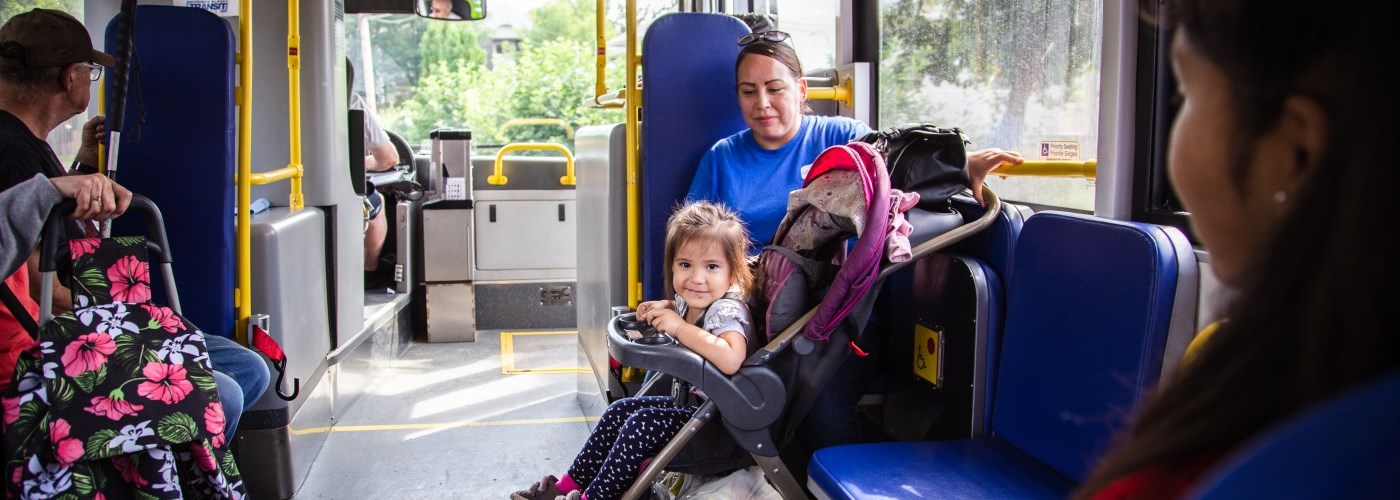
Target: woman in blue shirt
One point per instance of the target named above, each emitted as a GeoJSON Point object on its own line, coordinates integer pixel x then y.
{"type": "Point", "coordinates": [752, 171]}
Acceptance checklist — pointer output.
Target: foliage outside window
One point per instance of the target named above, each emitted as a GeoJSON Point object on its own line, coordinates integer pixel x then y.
{"type": "Point", "coordinates": [1012, 74]}
{"type": "Point", "coordinates": [435, 74]}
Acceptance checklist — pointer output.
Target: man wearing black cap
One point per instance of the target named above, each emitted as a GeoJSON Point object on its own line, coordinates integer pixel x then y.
{"type": "Point", "coordinates": [47, 69]}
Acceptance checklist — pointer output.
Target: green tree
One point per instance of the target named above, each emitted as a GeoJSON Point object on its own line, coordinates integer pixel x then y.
{"type": "Point", "coordinates": [453, 43]}
{"type": "Point", "coordinates": [9, 8]}
{"type": "Point", "coordinates": [1019, 48]}
{"type": "Point", "coordinates": [568, 20]}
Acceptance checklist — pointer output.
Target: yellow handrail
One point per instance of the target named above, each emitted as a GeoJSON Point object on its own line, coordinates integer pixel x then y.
{"type": "Point", "coordinates": [242, 303]}
{"type": "Point", "coordinates": [840, 93]}
{"type": "Point", "coordinates": [600, 85]}
{"type": "Point", "coordinates": [1087, 169]}
{"type": "Point", "coordinates": [568, 129]}
{"type": "Point", "coordinates": [634, 203]}
{"type": "Point", "coordinates": [498, 178]}
{"type": "Point", "coordinates": [246, 179]}
{"type": "Point", "coordinates": [293, 172]}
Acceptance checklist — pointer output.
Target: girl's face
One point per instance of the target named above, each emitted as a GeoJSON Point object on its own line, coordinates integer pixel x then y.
{"type": "Point", "coordinates": [771, 100]}
{"type": "Point", "coordinates": [1230, 217]}
{"type": "Point", "coordinates": [700, 273]}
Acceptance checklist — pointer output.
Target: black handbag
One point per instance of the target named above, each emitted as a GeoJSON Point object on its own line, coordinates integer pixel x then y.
{"type": "Point", "coordinates": [925, 159]}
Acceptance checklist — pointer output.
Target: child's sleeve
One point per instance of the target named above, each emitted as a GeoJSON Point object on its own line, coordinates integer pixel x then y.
{"type": "Point", "coordinates": [726, 315]}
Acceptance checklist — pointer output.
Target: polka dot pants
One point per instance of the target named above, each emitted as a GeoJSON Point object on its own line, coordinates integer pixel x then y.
{"type": "Point", "coordinates": [631, 430]}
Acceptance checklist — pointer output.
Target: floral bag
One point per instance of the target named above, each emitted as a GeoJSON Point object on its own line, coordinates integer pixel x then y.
{"type": "Point", "coordinates": [117, 398]}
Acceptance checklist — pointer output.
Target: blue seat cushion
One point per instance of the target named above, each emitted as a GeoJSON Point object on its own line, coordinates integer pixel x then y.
{"type": "Point", "coordinates": [971, 468]}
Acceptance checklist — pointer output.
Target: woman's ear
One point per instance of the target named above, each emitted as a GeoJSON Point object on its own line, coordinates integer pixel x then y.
{"type": "Point", "coordinates": [1303, 129]}
{"type": "Point", "coordinates": [802, 82]}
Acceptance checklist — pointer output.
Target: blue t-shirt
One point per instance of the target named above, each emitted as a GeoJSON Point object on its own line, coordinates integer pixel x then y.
{"type": "Point", "coordinates": [755, 181]}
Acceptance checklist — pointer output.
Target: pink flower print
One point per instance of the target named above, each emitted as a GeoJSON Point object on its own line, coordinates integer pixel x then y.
{"type": "Point", "coordinates": [88, 353]}
{"type": "Point", "coordinates": [113, 408]}
{"type": "Point", "coordinates": [165, 317]}
{"type": "Point", "coordinates": [164, 383]}
{"type": "Point", "coordinates": [12, 410]}
{"type": "Point", "coordinates": [83, 246]}
{"type": "Point", "coordinates": [203, 457]}
{"type": "Point", "coordinates": [129, 472]}
{"type": "Point", "coordinates": [130, 280]}
{"type": "Point", "coordinates": [214, 422]}
{"type": "Point", "coordinates": [68, 450]}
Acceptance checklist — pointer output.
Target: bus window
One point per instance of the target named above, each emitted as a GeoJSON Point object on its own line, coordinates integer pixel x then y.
{"type": "Point", "coordinates": [1013, 75]}
{"type": "Point", "coordinates": [812, 24]}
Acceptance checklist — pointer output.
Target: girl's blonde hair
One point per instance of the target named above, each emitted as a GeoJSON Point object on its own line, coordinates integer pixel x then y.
{"type": "Point", "coordinates": [718, 224]}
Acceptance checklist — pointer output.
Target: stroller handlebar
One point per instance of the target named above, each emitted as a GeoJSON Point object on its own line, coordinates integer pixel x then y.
{"type": "Point", "coordinates": [53, 231]}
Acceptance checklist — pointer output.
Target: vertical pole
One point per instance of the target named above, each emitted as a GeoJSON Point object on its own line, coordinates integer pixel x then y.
{"type": "Point", "coordinates": [634, 203]}
{"type": "Point", "coordinates": [242, 304]}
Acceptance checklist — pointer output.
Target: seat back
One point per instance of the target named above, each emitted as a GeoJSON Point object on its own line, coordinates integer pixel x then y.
{"type": "Point", "coordinates": [1348, 447]}
{"type": "Point", "coordinates": [1089, 310]}
{"type": "Point", "coordinates": [177, 148]}
{"type": "Point", "coordinates": [688, 104]}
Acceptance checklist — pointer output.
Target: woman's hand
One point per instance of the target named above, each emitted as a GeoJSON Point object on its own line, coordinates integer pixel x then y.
{"type": "Point", "coordinates": [98, 197]}
{"type": "Point", "coordinates": [981, 163]}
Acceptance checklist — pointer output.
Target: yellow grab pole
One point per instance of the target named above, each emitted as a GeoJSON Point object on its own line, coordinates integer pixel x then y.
{"type": "Point", "coordinates": [634, 203]}
{"type": "Point", "coordinates": [1087, 169]}
{"type": "Point", "coordinates": [242, 304]}
{"type": "Point", "coordinates": [600, 87]}
{"type": "Point", "coordinates": [294, 100]}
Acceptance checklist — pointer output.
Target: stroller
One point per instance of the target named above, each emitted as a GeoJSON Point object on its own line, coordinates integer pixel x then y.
{"type": "Point", "coordinates": [117, 398]}
{"type": "Point", "coordinates": [812, 300]}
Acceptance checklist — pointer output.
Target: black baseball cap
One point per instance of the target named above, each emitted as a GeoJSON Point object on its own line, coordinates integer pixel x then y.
{"type": "Point", "coordinates": [47, 38]}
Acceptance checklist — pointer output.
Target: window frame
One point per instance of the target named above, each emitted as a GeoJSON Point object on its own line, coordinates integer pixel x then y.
{"type": "Point", "coordinates": [1153, 199]}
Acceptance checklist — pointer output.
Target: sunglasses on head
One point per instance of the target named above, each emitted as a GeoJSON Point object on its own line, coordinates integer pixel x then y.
{"type": "Point", "coordinates": [766, 36]}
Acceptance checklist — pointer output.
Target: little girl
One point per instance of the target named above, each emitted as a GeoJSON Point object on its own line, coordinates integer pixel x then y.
{"type": "Point", "coordinates": [705, 245]}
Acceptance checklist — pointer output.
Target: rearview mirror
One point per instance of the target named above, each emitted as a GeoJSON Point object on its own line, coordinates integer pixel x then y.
{"type": "Point", "coordinates": [458, 10]}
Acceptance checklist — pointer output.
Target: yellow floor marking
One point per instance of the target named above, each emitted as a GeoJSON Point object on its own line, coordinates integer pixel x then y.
{"type": "Point", "coordinates": [441, 425]}
{"type": "Point", "coordinates": [508, 354]}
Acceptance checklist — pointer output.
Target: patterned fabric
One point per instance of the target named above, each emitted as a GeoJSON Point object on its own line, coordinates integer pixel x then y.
{"type": "Point", "coordinates": [117, 401]}
{"type": "Point", "coordinates": [630, 430]}
{"type": "Point", "coordinates": [108, 270]}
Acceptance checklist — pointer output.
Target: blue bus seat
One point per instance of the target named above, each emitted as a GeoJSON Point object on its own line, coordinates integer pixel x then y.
{"type": "Point", "coordinates": [177, 148]}
{"type": "Point", "coordinates": [1086, 328]}
{"type": "Point", "coordinates": [688, 104]}
{"type": "Point", "coordinates": [1348, 447]}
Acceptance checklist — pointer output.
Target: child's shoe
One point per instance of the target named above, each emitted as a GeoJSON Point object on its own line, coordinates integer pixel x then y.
{"type": "Point", "coordinates": [543, 489]}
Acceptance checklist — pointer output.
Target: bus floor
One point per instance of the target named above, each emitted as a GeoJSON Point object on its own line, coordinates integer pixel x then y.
{"type": "Point", "coordinates": [467, 420]}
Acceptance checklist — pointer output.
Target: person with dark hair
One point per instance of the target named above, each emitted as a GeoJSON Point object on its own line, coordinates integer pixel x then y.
{"type": "Point", "coordinates": [754, 170]}
{"type": "Point", "coordinates": [1281, 153]}
{"type": "Point", "coordinates": [47, 67]}
{"type": "Point", "coordinates": [747, 169]}
{"type": "Point", "coordinates": [380, 155]}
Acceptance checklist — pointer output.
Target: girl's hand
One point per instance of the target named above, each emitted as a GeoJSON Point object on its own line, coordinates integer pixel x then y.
{"type": "Point", "coordinates": [665, 320]}
{"type": "Point", "coordinates": [646, 307]}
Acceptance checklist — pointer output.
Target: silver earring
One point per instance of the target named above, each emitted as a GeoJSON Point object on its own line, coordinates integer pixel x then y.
{"type": "Point", "coordinates": [1280, 197]}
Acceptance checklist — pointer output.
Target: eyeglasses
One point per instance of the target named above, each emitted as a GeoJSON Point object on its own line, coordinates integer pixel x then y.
{"type": "Point", "coordinates": [766, 36]}
{"type": "Point", "coordinates": [96, 71]}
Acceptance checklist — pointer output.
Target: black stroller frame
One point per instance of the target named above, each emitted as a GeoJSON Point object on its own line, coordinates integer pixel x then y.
{"type": "Point", "coordinates": [754, 400]}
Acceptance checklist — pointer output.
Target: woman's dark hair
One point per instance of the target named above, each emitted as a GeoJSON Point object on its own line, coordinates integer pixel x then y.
{"type": "Point", "coordinates": [1312, 317]}
{"type": "Point", "coordinates": [779, 51]}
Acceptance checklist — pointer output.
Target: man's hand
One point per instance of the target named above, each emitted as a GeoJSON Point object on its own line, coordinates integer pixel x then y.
{"type": "Point", "coordinates": [98, 197]}
{"type": "Point", "coordinates": [94, 133]}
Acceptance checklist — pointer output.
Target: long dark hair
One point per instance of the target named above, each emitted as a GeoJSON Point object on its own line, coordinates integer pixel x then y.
{"type": "Point", "coordinates": [1313, 314]}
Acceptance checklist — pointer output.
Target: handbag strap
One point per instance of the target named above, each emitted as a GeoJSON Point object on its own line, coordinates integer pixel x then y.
{"type": "Point", "coordinates": [18, 310]}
